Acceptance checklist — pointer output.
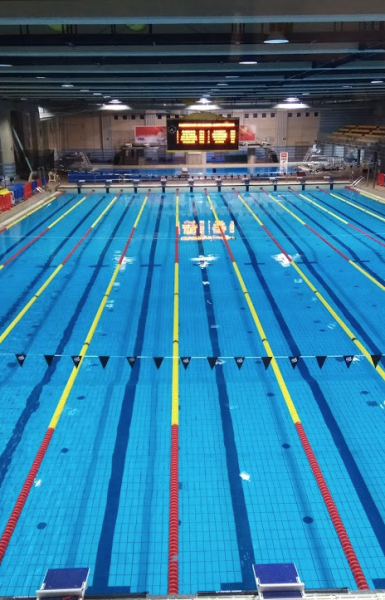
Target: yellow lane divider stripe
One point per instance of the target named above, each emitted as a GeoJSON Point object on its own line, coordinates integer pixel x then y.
{"type": "Point", "coordinates": [31, 212]}
{"type": "Point", "coordinates": [41, 289]}
{"type": "Point", "coordinates": [325, 303]}
{"type": "Point", "coordinates": [349, 260]}
{"type": "Point", "coordinates": [322, 484]}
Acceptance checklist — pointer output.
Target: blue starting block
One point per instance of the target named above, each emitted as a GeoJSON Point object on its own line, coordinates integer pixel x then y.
{"type": "Point", "coordinates": [278, 581]}
{"type": "Point", "coordinates": [64, 583]}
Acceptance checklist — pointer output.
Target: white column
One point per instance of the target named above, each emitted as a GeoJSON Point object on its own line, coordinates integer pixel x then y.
{"type": "Point", "coordinates": [281, 128]}
{"type": "Point", "coordinates": [6, 142]}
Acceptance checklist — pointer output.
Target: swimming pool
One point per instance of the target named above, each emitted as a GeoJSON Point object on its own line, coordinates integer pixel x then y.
{"type": "Point", "coordinates": [246, 492]}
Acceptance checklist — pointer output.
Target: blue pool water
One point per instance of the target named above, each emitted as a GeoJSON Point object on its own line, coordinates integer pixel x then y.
{"type": "Point", "coordinates": [246, 492]}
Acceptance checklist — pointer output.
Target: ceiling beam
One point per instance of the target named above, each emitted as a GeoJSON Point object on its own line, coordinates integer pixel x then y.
{"type": "Point", "coordinates": [185, 11]}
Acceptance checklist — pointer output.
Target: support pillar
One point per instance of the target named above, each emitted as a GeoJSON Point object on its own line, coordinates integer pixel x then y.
{"type": "Point", "coordinates": [6, 142]}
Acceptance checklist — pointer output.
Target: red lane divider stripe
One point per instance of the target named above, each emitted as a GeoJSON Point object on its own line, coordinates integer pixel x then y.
{"type": "Point", "coordinates": [351, 224]}
{"type": "Point", "coordinates": [333, 511]}
{"type": "Point", "coordinates": [46, 202]}
{"type": "Point", "coordinates": [16, 254]}
{"type": "Point", "coordinates": [12, 521]}
{"type": "Point", "coordinates": [173, 540]}
{"type": "Point", "coordinates": [326, 242]}
{"type": "Point", "coordinates": [38, 236]}
{"type": "Point", "coordinates": [224, 238]}
{"type": "Point", "coordinates": [325, 492]}
{"type": "Point", "coordinates": [87, 233]}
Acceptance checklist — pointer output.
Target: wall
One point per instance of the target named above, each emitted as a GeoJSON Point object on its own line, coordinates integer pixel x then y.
{"type": "Point", "coordinates": [96, 130]}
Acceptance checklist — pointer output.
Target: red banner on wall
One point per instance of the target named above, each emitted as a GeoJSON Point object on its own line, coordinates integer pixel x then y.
{"type": "Point", "coordinates": [247, 133]}
{"type": "Point", "coordinates": [150, 135]}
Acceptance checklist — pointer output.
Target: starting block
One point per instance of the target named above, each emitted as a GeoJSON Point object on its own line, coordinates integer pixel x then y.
{"type": "Point", "coordinates": [64, 583]}
{"type": "Point", "coordinates": [278, 581]}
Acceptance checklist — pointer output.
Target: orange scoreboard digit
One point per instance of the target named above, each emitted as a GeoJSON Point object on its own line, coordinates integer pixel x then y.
{"type": "Point", "coordinates": [185, 134]}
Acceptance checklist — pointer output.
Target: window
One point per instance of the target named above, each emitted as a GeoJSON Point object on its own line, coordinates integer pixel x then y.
{"type": "Point", "coordinates": [264, 115]}
{"type": "Point", "coordinates": [316, 114]}
{"type": "Point", "coordinates": [159, 116]}
{"type": "Point", "coordinates": [132, 117]}
{"type": "Point", "coordinates": [308, 114]}
{"type": "Point", "coordinates": [247, 115]}
{"type": "Point", "coordinates": [272, 115]}
{"type": "Point", "coordinates": [142, 117]}
{"type": "Point", "coordinates": [229, 116]}
{"type": "Point", "coordinates": [116, 117]}
{"type": "Point", "coordinates": [298, 114]}
{"type": "Point", "coordinates": [289, 114]}
{"type": "Point", "coordinates": [125, 117]}
{"type": "Point", "coordinates": [255, 115]}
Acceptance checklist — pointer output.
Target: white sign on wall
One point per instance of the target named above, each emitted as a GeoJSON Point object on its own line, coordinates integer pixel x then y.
{"type": "Point", "coordinates": [283, 161]}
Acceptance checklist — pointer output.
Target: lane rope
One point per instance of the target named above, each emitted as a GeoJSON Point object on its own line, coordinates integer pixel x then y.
{"type": "Point", "coordinates": [354, 205]}
{"type": "Point", "coordinates": [43, 231]}
{"type": "Point", "coordinates": [173, 539]}
{"type": "Point", "coordinates": [367, 194]}
{"type": "Point", "coordinates": [22, 498]}
{"type": "Point", "coordinates": [31, 212]}
{"type": "Point", "coordinates": [336, 317]}
{"type": "Point", "coordinates": [347, 258]}
{"type": "Point", "coordinates": [323, 487]}
{"type": "Point", "coordinates": [333, 214]}
{"type": "Point", "coordinates": [41, 289]}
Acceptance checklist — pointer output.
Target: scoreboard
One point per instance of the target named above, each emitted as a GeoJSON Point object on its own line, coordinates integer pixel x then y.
{"type": "Point", "coordinates": [213, 134]}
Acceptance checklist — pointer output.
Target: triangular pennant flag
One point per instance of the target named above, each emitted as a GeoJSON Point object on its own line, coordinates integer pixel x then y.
{"type": "Point", "coordinates": [49, 358]}
{"type": "Point", "coordinates": [348, 360]}
{"type": "Point", "coordinates": [239, 360]}
{"type": "Point", "coordinates": [212, 361]}
{"type": "Point", "coordinates": [294, 361]}
{"type": "Point", "coordinates": [185, 361]}
{"type": "Point", "coordinates": [376, 359]}
{"type": "Point", "coordinates": [158, 361]}
{"type": "Point", "coordinates": [104, 360]}
{"type": "Point", "coordinates": [20, 358]}
{"type": "Point", "coordinates": [321, 361]}
{"type": "Point", "coordinates": [266, 361]}
{"type": "Point", "coordinates": [131, 360]}
{"type": "Point", "coordinates": [76, 360]}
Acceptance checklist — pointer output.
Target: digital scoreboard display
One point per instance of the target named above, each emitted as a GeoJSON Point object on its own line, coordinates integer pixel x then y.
{"type": "Point", "coordinates": [185, 134]}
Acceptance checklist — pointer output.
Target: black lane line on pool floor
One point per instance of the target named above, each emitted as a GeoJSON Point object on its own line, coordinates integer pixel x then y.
{"type": "Point", "coordinates": [118, 460]}
{"type": "Point", "coordinates": [16, 307]}
{"type": "Point", "coordinates": [343, 214]}
{"type": "Point", "coordinates": [372, 512]}
{"type": "Point", "coordinates": [26, 235]}
{"type": "Point", "coordinates": [373, 348]}
{"type": "Point", "coordinates": [353, 254]}
{"type": "Point", "coordinates": [346, 196]}
{"type": "Point", "coordinates": [241, 518]}
{"type": "Point", "coordinates": [33, 400]}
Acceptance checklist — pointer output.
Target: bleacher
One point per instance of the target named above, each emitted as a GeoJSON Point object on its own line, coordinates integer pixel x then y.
{"type": "Point", "coordinates": [359, 134]}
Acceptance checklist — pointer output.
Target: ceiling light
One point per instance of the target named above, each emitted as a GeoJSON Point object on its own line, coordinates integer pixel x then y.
{"type": "Point", "coordinates": [347, 86]}
{"type": "Point", "coordinates": [5, 65]}
{"type": "Point", "coordinates": [97, 94]}
{"type": "Point", "coordinates": [115, 101]}
{"type": "Point", "coordinates": [222, 84]}
{"type": "Point", "coordinates": [84, 90]}
{"type": "Point", "coordinates": [232, 76]}
{"type": "Point", "coordinates": [204, 101]}
{"type": "Point", "coordinates": [203, 107]}
{"type": "Point", "coordinates": [67, 85]}
{"type": "Point", "coordinates": [40, 77]}
{"type": "Point", "coordinates": [276, 38]}
{"type": "Point", "coordinates": [115, 107]}
{"type": "Point", "coordinates": [305, 94]}
{"type": "Point", "coordinates": [289, 105]}
{"type": "Point", "coordinates": [377, 81]}
{"type": "Point", "coordinates": [106, 96]}
{"type": "Point", "coordinates": [292, 99]}
{"type": "Point", "coordinates": [248, 62]}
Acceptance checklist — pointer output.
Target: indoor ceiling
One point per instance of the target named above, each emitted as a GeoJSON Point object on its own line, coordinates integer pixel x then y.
{"type": "Point", "coordinates": [151, 56]}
